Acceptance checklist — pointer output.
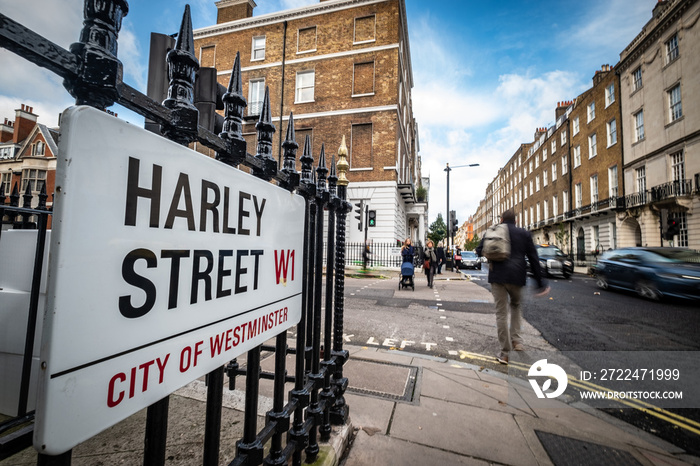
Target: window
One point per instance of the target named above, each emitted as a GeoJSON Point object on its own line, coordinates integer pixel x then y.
{"type": "Point", "coordinates": [596, 237]}
{"type": "Point", "coordinates": [594, 189]}
{"type": "Point", "coordinates": [612, 132]}
{"type": "Point", "coordinates": [530, 166]}
{"type": "Point", "coordinates": [258, 48]}
{"type": "Point", "coordinates": [577, 156]}
{"type": "Point", "coordinates": [641, 177]}
{"type": "Point", "coordinates": [613, 236]}
{"type": "Point", "coordinates": [539, 217]}
{"type": "Point", "coordinates": [639, 125]}
{"type": "Point", "coordinates": [578, 196]}
{"type": "Point", "coordinates": [546, 209]}
{"type": "Point", "coordinates": [305, 86]}
{"type": "Point", "coordinates": [363, 79]}
{"type": "Point", "coordinates": [672, 48]}
{"type": "Point", "coordinates": [678, 170]}
{"type": "Point", "coordinates": [592, 146]}
{"type": "Point", "coordinates": [6, 181]}
{"type": "Point", "coordinates": [565, 201]}
{"type": "Point", "coordinates": [38, 148]}
{"type": "Point", "coordinates": [537, 183]}
{"type": "Point", "coordinates": [564, 164]}
{"type": "Point", "coordinates": [683, 227]}
{"type": "Point", "coordinates": [555, 206]}
{"type": "Point", "coordinates": [364, 29]}
{"type": "Point", "coordinates": [34, 178]}
{"type": "Point", "coordinates": [256, 95]}
{"type": "Point", "coordinates": [537, 161]}
{"type": "Point", "coordinates": [590, 112]}
{"type": "Point", "coordinates": [612, 181]}
{"type": "Point", "coordinates": [637, 79]}
{"type": "Point", "coordinates": [207, 56]}
{"type": "Point", "coordinates": [544, 178]}
{"type": "Point", "coordinates": [532, 191]}
{"type": "Point", "coordinates": [554, 171]}
{"type": "Point", "coordinates": [574, 131]}
{"type": "Point", "coordinates": [674, 99]}
{"type": "Point", "coordinates": [361, 146]}
{"type": "Point", "coordinates": [306, 40]}
{"type": "Point", "coordinates": [554, 146]}
{"type": "Point", "coordinates": [563, 137]}
{"type": "Point", "coordinates": [609, 95]}
{"type": "Point", "coordinates": [525, 196]}
{"type": "Point", "coordinates": [544, 154]}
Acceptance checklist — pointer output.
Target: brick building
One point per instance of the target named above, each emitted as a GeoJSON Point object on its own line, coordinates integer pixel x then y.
{"type": "Point", "coordinates": [28, 153]}
{"type": "Point", "coordinates": [343, 67]}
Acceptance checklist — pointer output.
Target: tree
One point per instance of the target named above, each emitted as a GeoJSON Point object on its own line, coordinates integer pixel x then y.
{"type": "Point", "coordinates": [438, 230]}
{"type": "Point", "coordinates": [470, 245]}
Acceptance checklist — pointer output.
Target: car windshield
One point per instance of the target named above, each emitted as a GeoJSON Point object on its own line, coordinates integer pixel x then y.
{"type": "Point", "coordinates": [550, 252]}
{"type": "Point", "coordinates": [468, 255]}
{"type": "Point", "coordinates": [675, 255]}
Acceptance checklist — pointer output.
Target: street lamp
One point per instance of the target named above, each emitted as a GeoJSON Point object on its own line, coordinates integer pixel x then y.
{"type": "Point", "coordinates": [449, 220]}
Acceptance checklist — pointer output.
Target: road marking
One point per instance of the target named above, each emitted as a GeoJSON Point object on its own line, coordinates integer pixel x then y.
{"type": "Point", "coordinates": [445, 326]}
{"type": "Point", "coordinates": [452, 353]}
{"type": "Point", "coordinates": [443, 317]}
{"type": "Point", "coordinates": [439, 304]}
{"type": "Point", "coordinates": [449, 339]}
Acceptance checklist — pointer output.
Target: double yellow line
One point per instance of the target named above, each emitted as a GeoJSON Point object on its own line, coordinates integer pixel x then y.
{"type": "Point", "coordinates": [647, 408]}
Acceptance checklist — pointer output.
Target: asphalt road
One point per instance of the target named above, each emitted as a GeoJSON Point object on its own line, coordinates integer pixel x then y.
{"type": "Point", "coordinates": [596, 329]}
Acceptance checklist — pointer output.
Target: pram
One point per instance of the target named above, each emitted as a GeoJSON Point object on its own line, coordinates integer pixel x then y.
{"type": "Point", "coordinates": [407, 272]}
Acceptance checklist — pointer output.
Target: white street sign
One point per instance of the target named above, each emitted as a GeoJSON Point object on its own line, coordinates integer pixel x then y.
{"type": "Point", "coordinates": [165, 264]}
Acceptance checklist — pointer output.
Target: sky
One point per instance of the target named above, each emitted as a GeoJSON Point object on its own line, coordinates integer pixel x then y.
{"type": "Point", "coordinates": [503, 66]}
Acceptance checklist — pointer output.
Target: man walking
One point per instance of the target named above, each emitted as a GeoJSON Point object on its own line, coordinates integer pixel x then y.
{"type": "Point", "coordinates": [507, 279]}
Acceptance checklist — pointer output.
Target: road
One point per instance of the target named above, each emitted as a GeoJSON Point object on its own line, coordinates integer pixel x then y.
{"type": "Point", "coordinates": [592, 327]}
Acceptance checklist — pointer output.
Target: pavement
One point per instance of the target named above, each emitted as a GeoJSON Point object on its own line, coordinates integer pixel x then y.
{"type": "Point", "coordinates": [409, 409]}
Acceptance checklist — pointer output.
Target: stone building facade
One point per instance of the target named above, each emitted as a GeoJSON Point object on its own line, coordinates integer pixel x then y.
{"type": "Point", "coordinates": [343, 67]}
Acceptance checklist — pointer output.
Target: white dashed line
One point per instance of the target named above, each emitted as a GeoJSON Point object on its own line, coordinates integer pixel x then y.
{"type": "Point", "coordinates": [449, 339]}
{"type": "Point", "coordinates": [443, 317]}
{"type": "Point", "coordinates": [445, 326]}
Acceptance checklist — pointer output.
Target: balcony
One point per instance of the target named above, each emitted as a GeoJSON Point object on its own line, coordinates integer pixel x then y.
{"type": "Point", "coordinates": [637, 199]}
{"type": "Point", "coordinates": [672, 189]}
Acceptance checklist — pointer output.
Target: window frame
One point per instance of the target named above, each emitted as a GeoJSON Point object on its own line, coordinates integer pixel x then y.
{"type": "Point", "coordinates": [592, 146]}
{"type": "Point", "coordinates": [374, 78]}
{"type": "Point", "coordinates": [613, 185]}
{"type": "Point", "coordinates": [300, 52]}
{"type": "Point", "coordinates": [254, 50]}
{"type": "Point", "coordinates": [298, 89]}
{"type": "Point", "coordinates": [32, 180]}
{"type": "Point", "coordinates": [576, 126]}
{"type": "Point", "coordinates": [611, 132]}
{"type": "Point", "coordinates": [637, 79]}
{"type": "Point", "coordinates": [354, 30]}
{"type": "Point", "coordinates": [590, 112]}
{"type": "Point", "coordinates": [610, 95]}
{"type": "Point", "coordinates": [251, 101]}
{"type": "Point", "coordinates": [675, 109]}
{"type": "Point", "coordinates": [638, 127]}
{"type": "Point", "coordinates": [672, 51]}
{"type": "Point", "coordinates": [577, 156]}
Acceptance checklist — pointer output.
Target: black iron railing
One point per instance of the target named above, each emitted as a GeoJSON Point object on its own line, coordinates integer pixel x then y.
{"type": "Point", "coordinates": [93, 76]}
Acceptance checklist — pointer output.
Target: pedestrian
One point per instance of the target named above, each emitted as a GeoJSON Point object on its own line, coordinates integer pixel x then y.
{"type": "Point", "coordinates": [407, 251]}
{"type": "Point", "coordinates": [507, 279]}
{"type": "Point", "coordinates": [365, 255]}
{"type": "Point", "coordinates": [429, 262]}
{"type": "Point", "coordinates": [440, 252]}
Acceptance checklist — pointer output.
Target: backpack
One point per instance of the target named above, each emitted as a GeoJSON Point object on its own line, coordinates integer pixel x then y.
{"type": "Point", "coordinates": [496, 246]}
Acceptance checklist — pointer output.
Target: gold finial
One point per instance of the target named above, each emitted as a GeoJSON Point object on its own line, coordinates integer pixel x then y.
{"type": "Point", "coordinates": [342, 166]}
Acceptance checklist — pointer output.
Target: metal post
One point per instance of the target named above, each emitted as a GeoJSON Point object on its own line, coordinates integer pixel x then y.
{"type": "Point", "coordinates": [212, 426]}
{"type": "Point", "coordinates": [450, 256]}
{"type": "Point", "coordinates": [156, 433]}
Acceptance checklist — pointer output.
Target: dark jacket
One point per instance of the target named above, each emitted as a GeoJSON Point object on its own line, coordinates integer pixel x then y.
{"type": "Point", "coordinates": [513, 270]}
{"type": "Point", "coordinates": [440, 251]}
{"type": "Point", "coordinates": [407, 254]}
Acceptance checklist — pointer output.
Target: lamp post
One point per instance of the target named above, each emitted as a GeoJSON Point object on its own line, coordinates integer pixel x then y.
{"type": "Point", "coordinates": [447, 217]}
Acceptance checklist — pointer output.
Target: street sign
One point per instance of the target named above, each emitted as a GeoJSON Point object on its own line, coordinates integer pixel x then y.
{"type": "Point", "coordinates": [165, 264]}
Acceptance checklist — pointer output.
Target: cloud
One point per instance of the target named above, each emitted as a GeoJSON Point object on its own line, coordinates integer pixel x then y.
{"type": "Point", "coordinates": [133, 61]}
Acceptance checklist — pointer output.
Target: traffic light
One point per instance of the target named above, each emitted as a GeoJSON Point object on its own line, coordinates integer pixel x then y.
{"type": "Point", "coordinates": [672, 226]}
{"type": "Point", "coordinates": [359, 210]}
{"type": "Point", "coordinates": [453, 219]}
{"type": "Point", "coordinates": [372, 218]}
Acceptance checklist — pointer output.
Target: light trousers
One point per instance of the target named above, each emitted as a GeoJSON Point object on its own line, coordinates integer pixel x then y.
{"type": "Point", "coordinates": [508, 332]}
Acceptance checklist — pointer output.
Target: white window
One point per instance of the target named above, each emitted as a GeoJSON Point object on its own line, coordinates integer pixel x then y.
{"type": "Point", "coordinates": [613, 235]}
{"type": "Point", "coordinates": [577, 156]}
{"type": "Point", "coordinates": [637, 79]}
{"type": "Point", "coordinates": [544, 178]}
{"type": "Point", "coordinates": [590, 112]}
{"type": "Point", "coordinates": [565, 201]}
{"type": "Point", "coordinates": [563, 137]}
{"type": "Point", "coordinates": [609, 95]}
{"type": "Point", "coordinates": [674, 99]}
{"type": "Point", "coordinates": [678, 170]}
{"type": "Point", "coordinates": [554, 171]}
{"type": "Point", "coordinates": [258, 49]}
{"type": "Point", "coordinates": [305, 86]}
{"type": "Point", "coordinates": [537, 183]}
{"type": "Point", "coordinates": [564, 164]}
{"type": "Point", "coordinates": [554, 146]}
{"type": "Point", "coordinates": [38, 148]}
{"type": "Point", "coordinates": [592, 146]}
{"type": "Point", "coordinates": [639, 125]}
{"type": "Point", "coordinates": [539, 217]}
{"type": "Point", "coordinates": [546, 209]}
{"type": "Point", "coordinates": [256, 95]}
{"type": "Point", "coordinates": [537, 160]}
{"type": "Point", "coordinates": [612, 132]}
{"type": "Point", "coordinates": [532, 191]}
{"type": "Point", "coordinates": [574, 131]}
{"type": "Point", "coordinates": [530, 166]}
{"type": "Point", "coordinates": [555, 206]}
{"type": "Point", "coordinates": [612, 181]}
{"type": "Point", "coordinates": [578, 196]}
{"type": "Point", "coordinates": [532, 215]}
{"type": "Point", "coordinates": [544, 154]}
{"type": "Point", "coordinates": [672, 48]}
{"type": "Point", "coordinates": [525, 217]}
{"type": "Point", "coordinates": [5, 181]}
{"type": "Point", "coordinates": [525, 195]}
{"type": "Point", "coordinates": [641, 177]}
{"type": "Point", "coordinates": [594, 189]}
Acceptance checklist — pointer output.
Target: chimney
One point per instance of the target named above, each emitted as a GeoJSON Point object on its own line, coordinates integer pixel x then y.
{"type": "Point", "coordinates": [602, 73]}
{"type": "Point", "coordinates": [539, 132]}
{"type": "Point", "coordinates": [25, 121]}
{"type": "Point", "coordinates": [6, 131]}
{"type": "Point", "coordinates": [561, 108]}
{"type": "Point", "coordinates": [233, 10]}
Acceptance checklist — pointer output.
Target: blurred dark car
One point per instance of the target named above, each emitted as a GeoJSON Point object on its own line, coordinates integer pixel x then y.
{"type": "Point", "coordinates": [653, 273]}
{"type": "Point", "coordinates": [552, 261]}
{"type": "Point", "coordinates": [469, 261]}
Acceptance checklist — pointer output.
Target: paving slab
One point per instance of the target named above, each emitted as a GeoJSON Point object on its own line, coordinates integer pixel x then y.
{"type": "Point", "coordinates": [367, 412]}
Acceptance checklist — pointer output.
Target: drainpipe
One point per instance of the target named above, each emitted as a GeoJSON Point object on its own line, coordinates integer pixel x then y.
{"type": "Point", "coordinates": [284, 56]}
{"type": "Point", "coordinates": [568, 169]}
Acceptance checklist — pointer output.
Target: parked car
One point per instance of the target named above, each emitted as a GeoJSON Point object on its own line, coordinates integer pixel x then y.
{"type": "Point", "coordinates": [653, 273]}
{"type": "Point", "coordinates": [470, 260]}
{"type": "Point", "coordinates": [553, 261]}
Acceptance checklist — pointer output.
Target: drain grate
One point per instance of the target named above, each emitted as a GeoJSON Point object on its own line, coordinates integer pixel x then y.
{"type": "Point", "coordinates": [566, 451]}
{"type": "Point", "coordinates": [385, 380]}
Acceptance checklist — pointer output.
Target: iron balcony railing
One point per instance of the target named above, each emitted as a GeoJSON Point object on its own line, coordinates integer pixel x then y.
{"type": "Point", "coordinates": [671, 189]}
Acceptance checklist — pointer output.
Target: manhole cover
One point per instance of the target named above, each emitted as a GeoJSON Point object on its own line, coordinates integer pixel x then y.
{"type": "Point", "coordinates": [568, 451]}
{"type": "Point", "coordinates": [381, 379]}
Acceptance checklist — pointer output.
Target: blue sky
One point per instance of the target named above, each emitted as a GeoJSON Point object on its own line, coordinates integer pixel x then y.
{"type": "Point", "coordinates": [486, 73]}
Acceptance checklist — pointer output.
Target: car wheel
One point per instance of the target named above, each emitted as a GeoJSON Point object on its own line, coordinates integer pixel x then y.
{"type": "Point", "coordinates": [566, 275]}
{"type": "Point", "coordinates": [602, 282]}
{"type": "Point", "coordinates": [647, 290]}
